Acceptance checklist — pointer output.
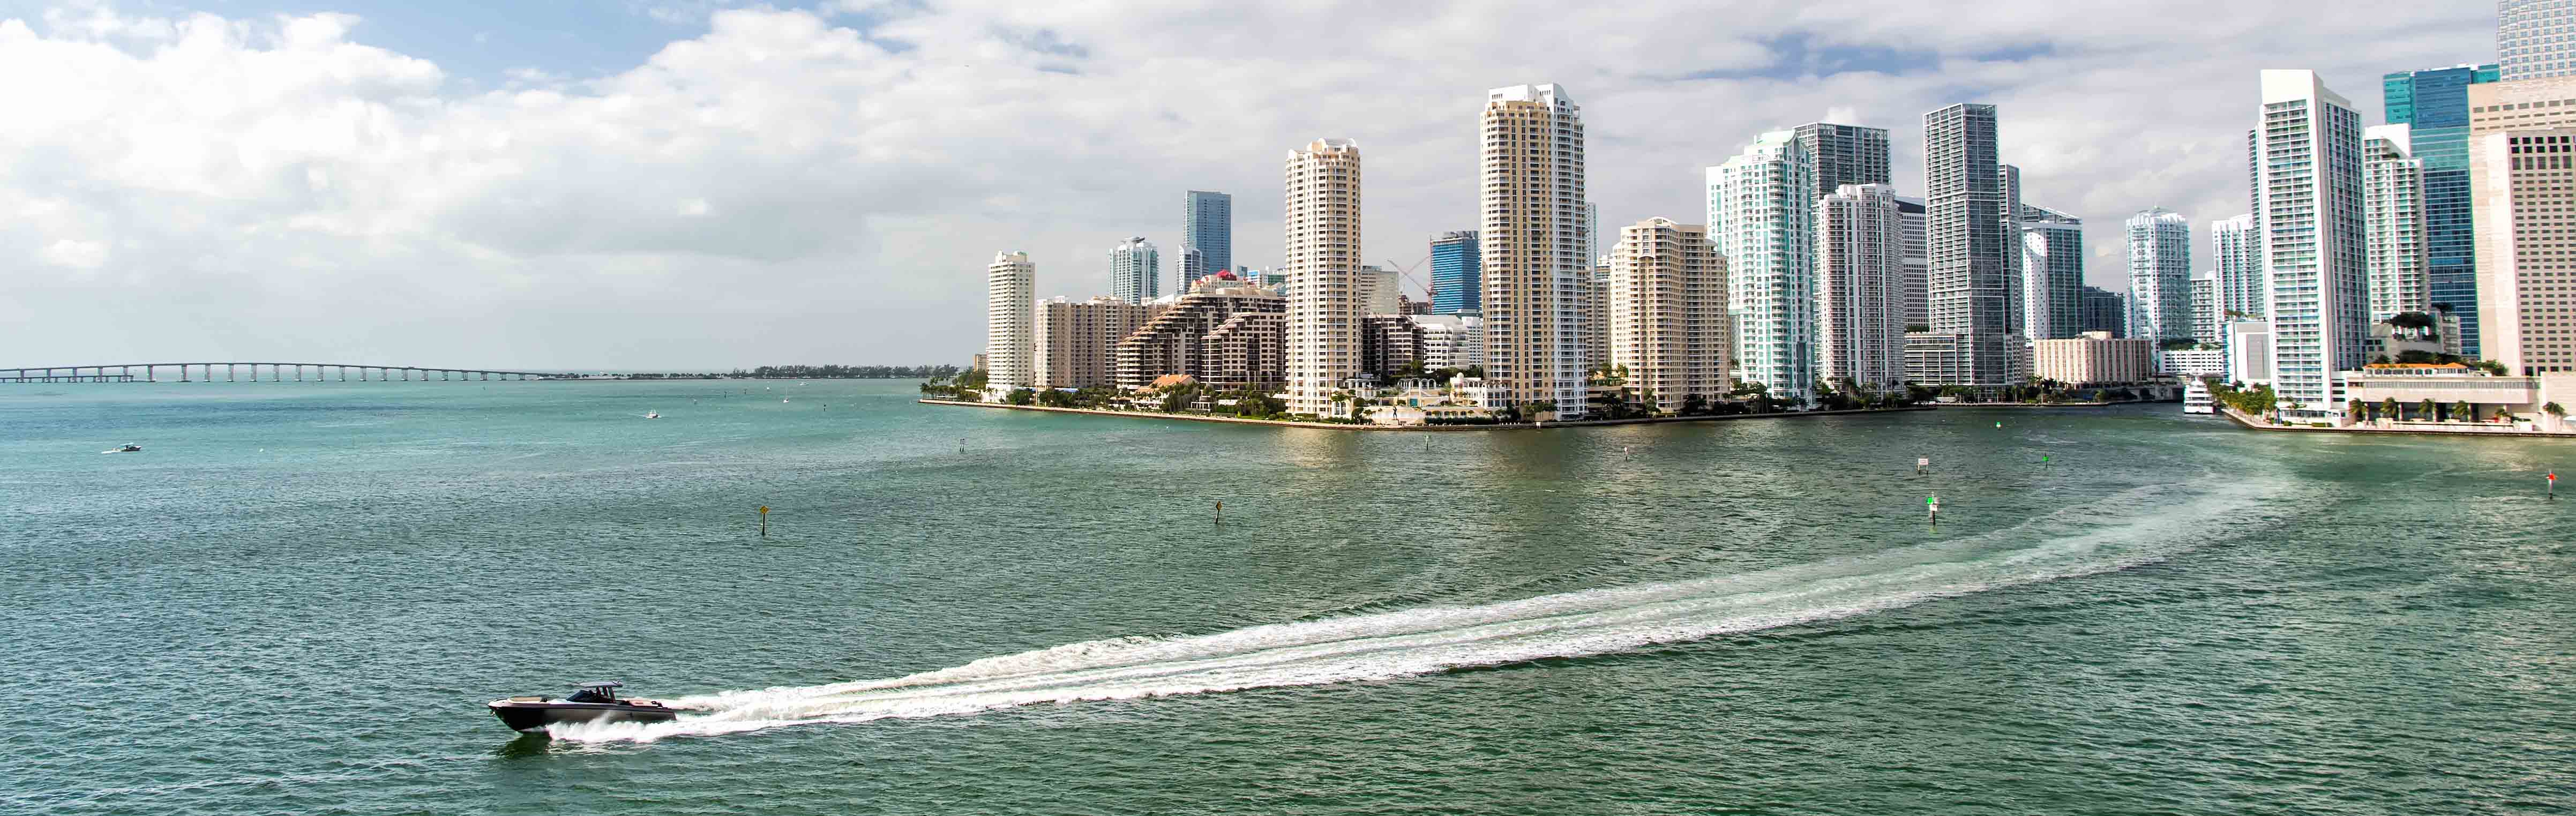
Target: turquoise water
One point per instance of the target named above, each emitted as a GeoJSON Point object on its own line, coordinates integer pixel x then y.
{"type": "Point", "coordinates": [298, 597]}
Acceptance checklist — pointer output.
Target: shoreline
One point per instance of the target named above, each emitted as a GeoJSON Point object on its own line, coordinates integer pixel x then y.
{"type": "Point", "coordinates": [1333, 426]}
{"type": "Point", "coordinates": [2054, 404]}
{"type": "Point", "coordinates": [2250, 425]}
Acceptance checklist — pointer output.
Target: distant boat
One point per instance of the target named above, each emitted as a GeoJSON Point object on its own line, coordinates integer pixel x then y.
{"type": "Point", "coordinates": [125, 449]}
{"type": "Point", "coordinates": [652, 415]}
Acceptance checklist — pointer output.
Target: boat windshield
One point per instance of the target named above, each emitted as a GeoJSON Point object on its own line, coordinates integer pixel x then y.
{"type": "Point", "coordinates": [593, 694]}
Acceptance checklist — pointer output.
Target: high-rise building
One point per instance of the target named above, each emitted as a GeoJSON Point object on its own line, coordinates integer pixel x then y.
{"type": "Point", "coordinates": [2052, 259]}
{"type": "Point", "coordinates": [2392, 195]}
{"type": "Point", "coordinates": [1457, 274]}
{"type": "Point", "coordinates": [2251, 248]}
{"type": "Point", "coordinates": [1193, 267]}
{"type": "Point", "coordinates": [1451, 341]}
{"type": "Point", "coordinates": [2103, 310]}
{"type": "Point", "coordinates": [1531, 242]}
{"type": "Point", "coordinates": [1010, 296]}
{"type": "Point", "coordinates": [1860, 288]}
{"type": "Point", "coordinates": [1968, 239]}
{"type": "Point", "coordinates": [1207, 222]}
{"type": "Point", "coordinates": [1135, 271]}
{"type": "Point", "coordinates": [2207, 320]}
{"type": "Point", "coordinates": [2434, 105]}
{"type": "Point", "coordinates": [1761, 214]}
{"type": "Point", "coordinates": [1845, 154]}
{"type": "Point", "coordinates": [1322, 249]}
{"type": "Point", "coordinates": [1077, 343]}
{"type": "Point", "coordinates": [2520, 200]}
{"type": "Point", "coordinates": [2159, 275]}
{"type": "Point", "coordinates": [1381, 291]}
{"type": "Point", "coordinates": [1388, 343]}
{"type": "Point", "coordinates": [2312, 241]}
{"type": "Point", "coordinates": [2526, 185]}
{"type": "Point", "coordinates": [1225, 334]}
{"type": "Point", "coordinates": [2008, 183]}
{"type": "Point", "coordinates": [2536, 38]}
{"type": "Point", "coordinates": [1917, 264]}
{"type": "Point", "coordinates": [1595, 317]}
{"type": "Point", "coordinates": [1594, 248]}
{"type": "Point", "coordinates": [1667, 313]}
{"type": "Point", "coordinates": [2237, 249]}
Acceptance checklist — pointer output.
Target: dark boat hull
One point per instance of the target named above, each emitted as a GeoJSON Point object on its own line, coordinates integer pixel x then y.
{"type": "Point", "coordinates": [533, 717]}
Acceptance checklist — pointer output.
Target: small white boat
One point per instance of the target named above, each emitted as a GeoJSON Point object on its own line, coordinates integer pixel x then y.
{"type": "Point", "coordinates": [652, 415]}
{"type": "Point", "coordinates": [125, 449]}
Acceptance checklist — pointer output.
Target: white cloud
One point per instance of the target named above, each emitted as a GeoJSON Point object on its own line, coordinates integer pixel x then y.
{"type": "Point", "coordinates": [779, 188]}
{"type": "Point", "coordinates": [73, 254]}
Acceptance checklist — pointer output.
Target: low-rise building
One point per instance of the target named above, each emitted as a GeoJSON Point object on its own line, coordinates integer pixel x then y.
{"type": "Point", "coordinates": [2095, 358]}
{"type": "Point", "coordinates": [2194, 363]}
{"type": "Point", "coordinates": [2451, 396]}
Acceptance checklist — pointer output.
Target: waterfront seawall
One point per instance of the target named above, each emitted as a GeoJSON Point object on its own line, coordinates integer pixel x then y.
{"type": "Point", "coordinates": [2458, 431]}
{"type": "Point", "coordinates": [1335, 426]}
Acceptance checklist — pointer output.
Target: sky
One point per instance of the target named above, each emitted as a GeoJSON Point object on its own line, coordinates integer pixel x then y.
{"type": "Point", "coordinates": [692, 185]}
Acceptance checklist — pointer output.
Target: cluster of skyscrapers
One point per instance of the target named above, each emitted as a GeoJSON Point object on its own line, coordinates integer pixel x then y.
{"type": "Point", "coordinates": [1810, 269]}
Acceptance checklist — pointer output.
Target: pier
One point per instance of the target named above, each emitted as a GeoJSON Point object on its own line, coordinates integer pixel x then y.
{"type": "Point", "coordinates": [250, 372]}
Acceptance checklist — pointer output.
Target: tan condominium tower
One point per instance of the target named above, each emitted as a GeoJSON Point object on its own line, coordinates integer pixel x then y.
{"type": "Point", "coordinates": [2522, 179]}
{"type": "Point", "coordinates": [1322, 261]}
{"type": "Point", "coordinates": [1532, 244]}
{"type": "Point", "coordinates": [1010, 336]}
{"type": "Point", "coordinates": [1667, 305]}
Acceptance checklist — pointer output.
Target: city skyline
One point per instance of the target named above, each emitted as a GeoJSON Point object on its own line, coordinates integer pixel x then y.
{"type": "Point", "coordinates": [834, 245]}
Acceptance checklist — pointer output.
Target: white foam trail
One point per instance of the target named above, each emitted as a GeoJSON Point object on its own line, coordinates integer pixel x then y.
{"type": "Point", "coordinates": [2100, 536]}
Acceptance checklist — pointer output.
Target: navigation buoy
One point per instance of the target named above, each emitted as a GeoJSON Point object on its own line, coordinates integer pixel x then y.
{"type": "Point", "coordinates": [2553, 485]}
{"type": "Point", "coordinates": [1933, 503]}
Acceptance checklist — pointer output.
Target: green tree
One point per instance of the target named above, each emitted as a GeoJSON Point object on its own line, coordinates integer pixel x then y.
{"type": "Point", "coordinates": [2462, 409]}
{"type": "Point", "coordinates": [1020, 396]}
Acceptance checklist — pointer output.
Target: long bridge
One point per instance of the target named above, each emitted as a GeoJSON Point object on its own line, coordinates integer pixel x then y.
{"type": "Point", "coordinates": [277, 372]}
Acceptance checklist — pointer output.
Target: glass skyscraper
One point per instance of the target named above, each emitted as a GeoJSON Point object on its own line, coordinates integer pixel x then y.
{"type": "Point", "coordinates": [2435, 106]}
{"type": "Point", "coordinates": [1208, 223]}
{"type": "Point", "coordinates": [1457, 274]}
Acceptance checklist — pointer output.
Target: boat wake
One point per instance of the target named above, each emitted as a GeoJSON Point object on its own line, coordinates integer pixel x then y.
{"type": "Point", "coordinates": [2105, 535]}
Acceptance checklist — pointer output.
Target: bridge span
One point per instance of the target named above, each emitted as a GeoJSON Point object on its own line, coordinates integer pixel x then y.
{"type": "Point", "coordinates": [277, 372]}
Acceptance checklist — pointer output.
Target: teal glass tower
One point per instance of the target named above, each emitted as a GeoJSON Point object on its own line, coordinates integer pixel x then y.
{"type": "Point", "coordinates": [1457, 274]}
{"type": "Point", "coordinates": [2435, 104]}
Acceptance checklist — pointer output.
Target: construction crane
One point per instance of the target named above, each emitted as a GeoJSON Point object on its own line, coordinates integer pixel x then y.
{"type": "Point", "coordinates": [1406, 270]}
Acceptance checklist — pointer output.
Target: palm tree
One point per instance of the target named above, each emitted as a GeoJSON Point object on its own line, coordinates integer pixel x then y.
{"type": "Point", "coordinates": [2426, 409]}
{"type": "Point", "coordinates": [2462, 408]}
{"type": "Point", "coordinates": [2555, 412]}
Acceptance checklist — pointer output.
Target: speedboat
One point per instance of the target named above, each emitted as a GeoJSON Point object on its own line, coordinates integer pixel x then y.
{"type": "Point", "coordinates": [652, 415]}
{"type": "Point", "coordinates": [590, 702]}
{"type": "Point", "coordinates": [125, 449]}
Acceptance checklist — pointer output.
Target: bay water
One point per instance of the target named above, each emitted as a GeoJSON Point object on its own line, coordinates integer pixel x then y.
{"type": "Point", "coordinates": [298, 597]}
